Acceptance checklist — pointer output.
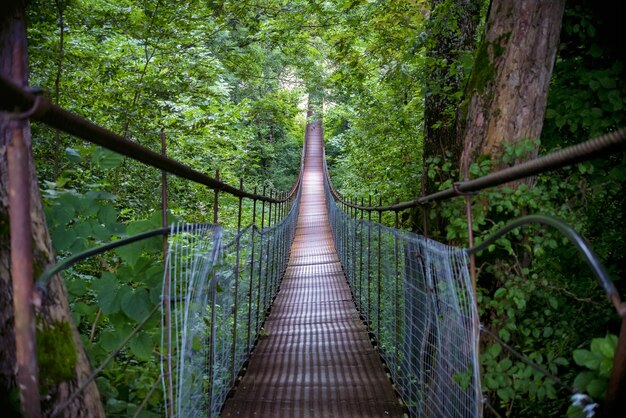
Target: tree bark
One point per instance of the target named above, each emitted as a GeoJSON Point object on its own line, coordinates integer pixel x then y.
{"type": "Point", "coordinates": [53, 315]}
{"type": "Point", "coordinates": [507, 93]}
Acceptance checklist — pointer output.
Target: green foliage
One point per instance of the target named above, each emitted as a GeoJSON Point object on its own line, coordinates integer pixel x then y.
{"type": "Point", "coordinates": [599, 360]}
{"type": "Point", "coordinates": [107, 305]}
{"type": "Point", "coordinates": [227, 82]}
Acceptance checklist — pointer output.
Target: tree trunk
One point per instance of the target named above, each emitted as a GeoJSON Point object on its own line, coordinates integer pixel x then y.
{"type": "Point", "coordinates": [54, 321]}
{"type": "Point", "coordinates": [507, 92]}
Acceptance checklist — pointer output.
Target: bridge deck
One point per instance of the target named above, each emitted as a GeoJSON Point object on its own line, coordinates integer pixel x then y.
{"type": "Point", "coordinates": [316, 359]}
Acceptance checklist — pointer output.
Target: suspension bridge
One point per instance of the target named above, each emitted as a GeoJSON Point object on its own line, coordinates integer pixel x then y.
{"type": "Point", "coordinates": [313, 309]}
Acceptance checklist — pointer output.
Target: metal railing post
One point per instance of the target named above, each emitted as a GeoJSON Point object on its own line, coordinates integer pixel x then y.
{"type": "Point", "coordinates": [397, 293]}
{"type": "Point", "coordinates": [369, 265]}
{"type": "Point", "coordinates": [361, 258]}
{"type": "Point", "coordinates": [22, 271]}
{"type": "Point", "coordinates": [236, 290]}
{"type": "Point", "coordinates": [216, 199]}
{"type": "Point", "coordinates": [212, 337]}
{"type": "Point", "coordinates": [249, 342]}
{"type": "Point", "coordinates": [380, 220]}
{"type": "Point", "coordinates": [258, 312]}
{"type": "Point", "coordinates": [268, 263]}
{"type": "Point", "coordinates": [353, 219]}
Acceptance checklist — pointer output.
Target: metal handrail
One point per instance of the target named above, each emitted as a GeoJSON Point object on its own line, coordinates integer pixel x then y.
{"type": "Point", "coordinates": [607, 144]}
{"type": "Point", "coordinates": [42, 109]}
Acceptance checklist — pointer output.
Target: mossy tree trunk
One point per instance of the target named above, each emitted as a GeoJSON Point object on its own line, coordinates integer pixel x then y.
{"type": "Point", "coordinates": [507, 93]}
{"type": "Point", "coordinates": [63, 362]}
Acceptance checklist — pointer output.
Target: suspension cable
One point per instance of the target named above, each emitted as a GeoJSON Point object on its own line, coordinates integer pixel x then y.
{"type": "Point", "coordinates": [607, 144]}
{"type": "Point", "coordinates": [42, 109]}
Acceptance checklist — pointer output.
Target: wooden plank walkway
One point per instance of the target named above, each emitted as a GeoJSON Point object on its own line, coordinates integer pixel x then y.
{"type": "Point", "coordinates": [317, 360]}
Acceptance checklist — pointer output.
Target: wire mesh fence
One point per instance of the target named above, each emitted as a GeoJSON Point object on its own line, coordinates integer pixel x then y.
{"type": "Point", "coordinates": [415, 296]}
{"type": "Point", "coordinates": [219, 285]}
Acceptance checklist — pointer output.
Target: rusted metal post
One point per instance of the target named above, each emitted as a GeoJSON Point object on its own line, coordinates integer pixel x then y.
{"type": "Point", "coordinates": [261, 251]}
{"type": "Point", "coordinates": [236, 290]}
{"type": "Point", "coordinates": [616, 392]}
{"type": "Point", "coordinates": [249, 342]}
{"type": "Point", "coordinates": [354, 254]}
{"type": "Point", "coordinates": [274, 275]}
{"type": "Point", "coordinates": [22, 271]}
{"type": "Point", "coordinates": [345, 233]}
{"type": "Point", "coordinates": [281, 241]}
{"type": "Point", "coordinates": [361, 258]}
{"type": "Point", "coordinates": [268, 266]}
{"type": "Point", "coordinates": [379, 284]}
{"type": "Point", "coordinates": [397, 293]}
{"type": "Point", "coordinates": [369, 265]}
{"type": "Point", "coordinates": [216, 199]}
{"type": "Point", "coordinates": [283, 236]}
{"type": "Point", "coordinates": [166, 286]}
{"type": "Point", "coordinates": [212, 335]}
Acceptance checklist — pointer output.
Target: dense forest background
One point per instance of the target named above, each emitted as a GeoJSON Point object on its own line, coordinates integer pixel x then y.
{"type": "Point", "coordinates": [229, 83]}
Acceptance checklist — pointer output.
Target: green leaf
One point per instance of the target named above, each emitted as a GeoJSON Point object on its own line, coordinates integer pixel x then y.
{"type": "Point", "coordinates": [547, 332]}
{"type": "Point", "coordinates": [63, 238]}
{"type": "Point", "coordinates": [116, 406]}
{"type": "Point", "coordinates": [505, 364]}
{"type": "Point", "coordinates": [106, 159]}
{"type": "Point", "coordinates": [582, 380]}
{"type": "Point", "coordinates": [100, 232]}
{"type": "Point", "coordinates": [136, 304]}
{"type": "Point", "coordinates": [77, 287]}
{"type": "Point", "coordinates": [72, 155]}
{"type": "Point", "coordinates": [105, 387]}
{"type": "Point", "coordinates": [587, 359]}
{"type": "Point", "coordinates": [107, 291]}
{"type": "Point", "coordinates": [495, 350]}
{"type": "Point", "coordinates": [111, 339]}
{"type": "Point", "coordinates": [504, 334]}
{"type": "Point", "coordinates": [505, 394]}
{"type": "Point", "coordinates": [553, 302]}
{"type": "Point", "coordinates": [596, 388]}
{"type": "Point", "coordinates": [605, 367]}
{"type": "Point", "coordinates": [130, 253]}
{"type": "Point", "coordinates": [107, 215]}
{"type": "Point", "coordinates": [603, 346]}
{"type": "Point", "coordinates": [62, 214]}
{"type": "Point", "coordinates": [141, 346]}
